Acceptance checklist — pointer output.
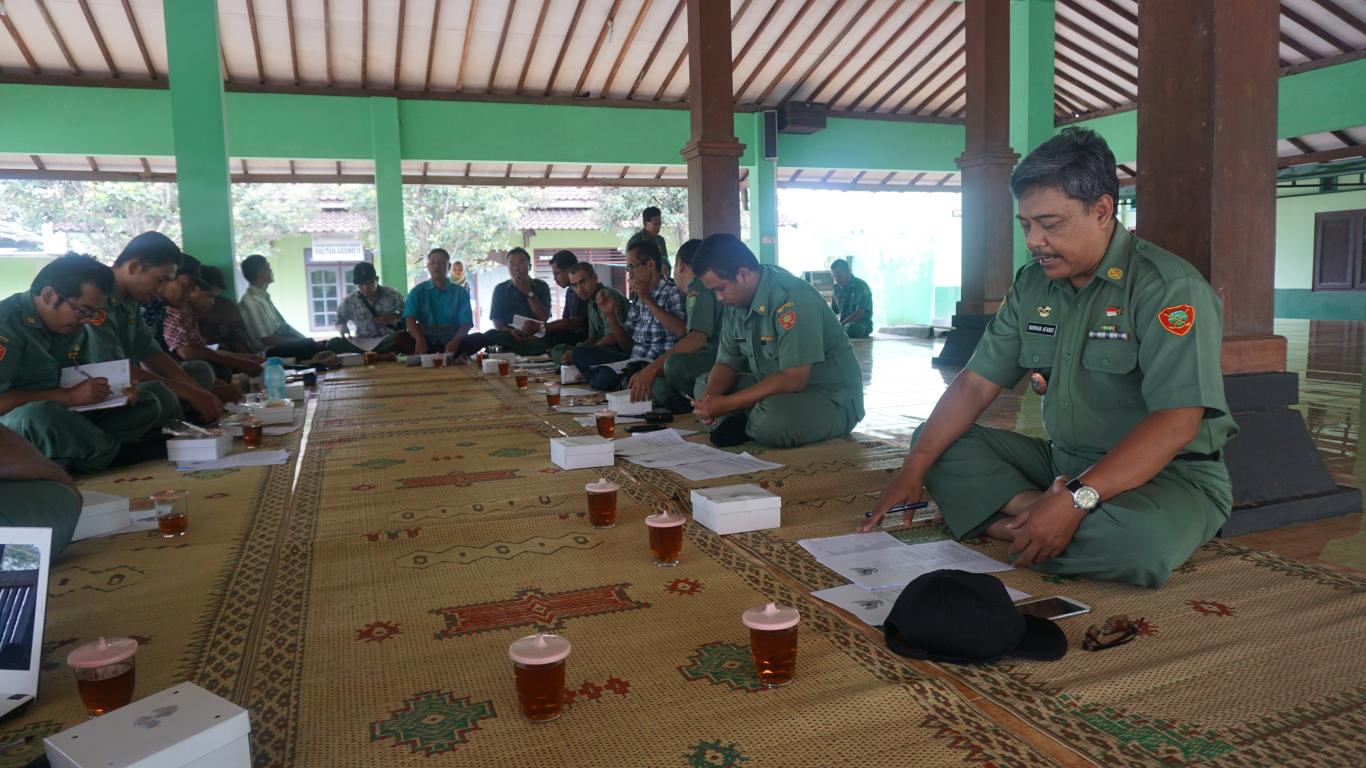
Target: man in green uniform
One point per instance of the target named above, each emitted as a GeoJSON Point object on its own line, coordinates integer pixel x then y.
{"type": "Point", "coordinates": [694, 354]}
{"type": "Point", "coordinates": [147, 263]}
{"type": "Point", "coordinates": [37, 492]}
{"type": "Point", "coordinates": [852, 302]}
{"type": "Point", "coordinates": [652, 220]}
{"type": "Point", "coordinates": [785, 373]}
{"type": "Point", "coordinates": [584, 279]}
{"type": "Point", "coordinates": [1122, 339]}
{"type": "Point", "coordinates": [42, 332]}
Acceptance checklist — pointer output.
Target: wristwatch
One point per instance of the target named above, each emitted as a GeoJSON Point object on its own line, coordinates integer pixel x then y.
{"type": "Point", "coordinates": [1084, 497]}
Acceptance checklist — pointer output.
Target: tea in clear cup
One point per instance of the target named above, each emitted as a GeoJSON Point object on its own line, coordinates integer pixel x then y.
{"type": "Point", "coordinates": [602, 503]}
{"type": "Point", "coordinates": [552, 395]}
{"type": "Point", "coordinates": [253, 432]}
{"type": "Point", "coordinates": [504, 367]}
{"type": "Point", "coordinates": [773, 642]}
{"type": "Point", "coordinates": [371, 358]}
{"type": "Point", "coordinates": [666, 537]}
{"type": "Point", "coordinates": [104, 673]}
{"type": "Point", "coordinates": [439, 361]}
{"type": "Point", "coordinates": [173, 512]}
{"type": "Point", "coordinates": [538, 663]}
{"type": "Point", "coordinates": [607, 423]}
{"type": "Point", "coordinates": [522, 379]}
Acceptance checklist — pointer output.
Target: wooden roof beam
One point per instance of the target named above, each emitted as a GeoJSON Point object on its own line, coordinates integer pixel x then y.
{"type": "Point", "coordinates": [948, 81]}
{"type": "Point", "coordinates": [1315, 29]}
{"type": "Point", "coordinates": [654, 52]}
{"type": "Point", "coordinates": [531, 49]}
{"type": "Point", "coordinates": [625, 46]}
{"type": "Point", "coordinates": [772, 49]}
{"type": "Point", "coordinates": [1063, 77]}
{"type": "Point", "coordinates": [758, 31]}
{"type": "Point", "coordinates": [99, 39]}
{"type": "Point", "coordinates": [820, 27]}
{"type": "Point", "coordinates": [848, 27]}
{"type": "Point", "coordinates": [950, 101]}
{"type": "Point", "coordinates": [923, 84]}
{"type": "Point", "coordinates": [597, 47]}
{"type": "Point", "coordinates": [431, 53]}
{"type": "Point", "coordinates": [57, 36]}
{"type": "Point", "coordinates": [919, 65]}
{"type": "Point", "coordinates": [327, 40]}
{"type": "Point", "coordinates": [1105, 24]}
{"type": "Point", "coordinates": [1326, 156]}
{"type": "Point", "coordinates": [255, 41]}
{"type": "Point", "coordinates": [1347, 141]}
{"type": "Point", "coordinates": [882, 49]}
{"type": "Point", "coordinates": [949, 10]}
{"type": "Point", "coordinates": [137, 37]}
{"type": "Point", "coordinates": [858, 48]}
{"type": "Point", "coordinates": [398, 43]}
{"type": "Point", "coordinates": [364, 45]}
{"type": "Point", "coordinates": [465, 48]}
{"type": "Point", "coordinates": [293, 41]}
{"type": "Point", "coordinates": [1072, 27]}
{"type": "Point", "coordinates": [564, 47]}
{"type": "Point", "coordinates": [19, 41]}
{"type": "Point", "coordinates": [1300, 144]}
{"type": "Point", "coordinates": [1126, 89]}
{"type": "Point", "coordinates": [502, 41]}
{"type": "Point", "coordinates": [1347, 17]}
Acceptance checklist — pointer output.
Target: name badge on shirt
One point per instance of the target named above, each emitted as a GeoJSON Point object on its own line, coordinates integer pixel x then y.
{"type": "Point", "coordinates": [1042, 329]}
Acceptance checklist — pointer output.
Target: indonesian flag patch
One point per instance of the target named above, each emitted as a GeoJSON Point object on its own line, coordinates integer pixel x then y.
{"type": "Point", "coordinates": [1178, 319]}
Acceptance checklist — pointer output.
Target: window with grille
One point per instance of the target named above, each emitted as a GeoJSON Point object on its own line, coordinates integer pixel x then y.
{"type": "Point", "coordinates": [1339, 251]}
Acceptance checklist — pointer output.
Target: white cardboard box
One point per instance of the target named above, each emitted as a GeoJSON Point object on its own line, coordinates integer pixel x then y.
{"type": "Point", "coordinates": [294, 390]}
{"type": "Point", "coordinates": [273, 414]}
{"type": "Point", "coordinates": [581, 452]}
{"type": "Point", "coordinates": [736, 508]}
{"type": "Point", "coordinates": [621, 403]}
{"type": "Point", "coordinates": [186, 449]}
{"type": "Point", "coordinates": [101, 513]}
{"type": "Point", "coordinates": [348, 359]}
{"type": "Point", "coordinates": [511, 357]}
{"type": "Point", "coordinates": [490, 366]}
{"type": "Point", "coordinates": [181, 726]}
{"type": "Point", "coordinates": [570, 375]}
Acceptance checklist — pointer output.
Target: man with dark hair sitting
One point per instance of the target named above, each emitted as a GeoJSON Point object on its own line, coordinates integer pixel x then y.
{"type": "Point", "coordinates": [375, 310]}
{"type": "Point", "coordinates": [584, 278]}
{"type": "Point", "coordinates": [266, 327]}
{"type": "Point", "coordinates": [521, 294]}
{"type": "Point", "coordinates": [785, 373]}
{"type": "Point", "coordinates": [437, 314]}
{"type": "Point", "coordinates": [1122, 340]}
{"type": "Point", "coordinates": [42, 331]}
{"type": "Point", "coordinates": [653, 323]}
{"type": "Point", "coordinates": [652, 221]}
{"type": "Point", "coordinates": [572, 327]}
{"type": "Point", "coordinates": [852, 302]}
{"type": "Point", "coordinates": [222, 322]}
{"type": "Point", "coordinates": [145, 266]}
{"type": "Point", "coordinates": [694, 354]}
{"type": "Point", "coordinates": [187, 297]}
{"type": "Point", "coordinates": [172, 297]}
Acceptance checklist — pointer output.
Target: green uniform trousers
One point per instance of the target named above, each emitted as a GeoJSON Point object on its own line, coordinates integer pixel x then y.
{"type": "Point", "coordinates": [201, 372]}
{"type": "Point", "coordinates": [169, 408]}
{"type": "Point", "coordinates": [41, 504]}
{"type": "Point", "coordinates": [89, 440]}
{"type": "Point", "coordinates": [860, 330]}
{"type": "Point", "coordinates": [509, 343]}
{"type": "Point", "coordinates": [680, 374]}
{"type": "Point", "coordinates": [1137, 537]}
{"type": "Point", "coordinates": [787, 421]}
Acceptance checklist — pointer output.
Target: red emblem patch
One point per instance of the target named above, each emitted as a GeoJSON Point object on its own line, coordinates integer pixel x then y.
{"type": "Point", "coordinates": [1178, 320]}
{"type": "Point", "coordinates": [788, 319]}
{"type": "Point", "coordinates": [99, 318]}
{"type": "Point", "coordinates": [2, 352]}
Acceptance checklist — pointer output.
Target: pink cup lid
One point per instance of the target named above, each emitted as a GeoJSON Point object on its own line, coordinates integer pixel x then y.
{"type": "Point", "coordinates": [770, 617]}
{"type": "Point", "coordinates": [102, 652]}
{"type": "Point", "coordinates": [539, 649]}
{"type": "Point", "coordinates": [601, 486]}
{"type": "Point", "coordinates": [665, 520]}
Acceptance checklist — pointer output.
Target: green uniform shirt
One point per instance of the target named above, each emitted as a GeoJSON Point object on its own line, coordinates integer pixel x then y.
{"type": "Point", "coordinates": [705, 313]}
{"type": "Point", "coordinates": [1162, 352]}
{"type": "Point", "coordinates": [850, 298]}
{"type": "Point", "coordinates": [120, 334]}
{"type": "Point", "coordinates": [787, 325]}
{"type": "Point", "coordinates": [597, 321]}
{"type": "Point", "coordinates": [31, 358]}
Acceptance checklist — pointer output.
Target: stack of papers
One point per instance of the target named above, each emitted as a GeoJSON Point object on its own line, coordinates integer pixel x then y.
{"type": "Point", "coordinates": [519, 322]}
{"type": "Point", "coordinates": [246, 459]}
{"type": "Point", "coordinates": [666, 449]}
{"type": "Point", "coordinates": [880, 565]}
{"type": "Point", "coordinates": [115, 372]}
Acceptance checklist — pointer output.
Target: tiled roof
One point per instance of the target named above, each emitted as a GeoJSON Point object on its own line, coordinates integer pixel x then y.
{"type": "Point", "coordinates": [559, 216]}
{"type": "Point", "coordinates": [341, 222]}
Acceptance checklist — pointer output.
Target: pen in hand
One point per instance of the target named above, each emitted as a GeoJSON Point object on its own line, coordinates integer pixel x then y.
{"type": "Point", "coordinates": [919, 505]}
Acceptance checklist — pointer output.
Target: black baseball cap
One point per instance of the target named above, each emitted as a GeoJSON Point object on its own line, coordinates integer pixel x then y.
{"type": "Point", "coordinates": [965, 618]}
{"type": "Point", "coordinates": [363, 272]}
{"type": "Point", "coordinates": [192, 268]}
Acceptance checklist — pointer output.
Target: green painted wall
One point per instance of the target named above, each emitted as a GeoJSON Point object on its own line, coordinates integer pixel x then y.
{"type": "Point", "coordinates": [872, 145]}
{"type": "Point", "coordinates": [17, 272]}
{"type": "Point", "coordinates": [290, 289]}
{"type": "Point", "coordinates": [1295, 260]}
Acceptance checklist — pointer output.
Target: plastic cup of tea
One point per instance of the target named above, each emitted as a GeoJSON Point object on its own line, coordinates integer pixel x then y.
{"type": "Point", "coordinates": [666, 537]}
{"type": "Point", "coordinates": [371, 358]}
{"type": "Point", "coordinates": [253, 432]}
{"type": "Point", "coordinates": [602, 503]}
{"type": "Point", "coordinates": [104, 673]}
{"type": "Point", "coordinates": [504, 367]}
{"type": "Point", "coordinates": [773, 642]}
{"type": "Point", "coordinates": [607, 423]}
{"type": "Point", "coordinates": [538, 663]}
{"type": "Point", "coordinates": [173, 512]}
{"type": "Point", "coordinates": [522, 379]}
{"type": "Point", "coordinates": [552, 395]}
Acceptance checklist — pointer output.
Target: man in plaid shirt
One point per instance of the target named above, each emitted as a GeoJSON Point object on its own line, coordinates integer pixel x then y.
{"type": "Point", "coordinates": [653, 325]}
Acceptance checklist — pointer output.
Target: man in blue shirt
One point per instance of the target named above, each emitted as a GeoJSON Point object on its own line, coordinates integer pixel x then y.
{"type": "Point", "coordinates": [523, 295]}
{"type": "Point", "coordinates": [437, 314]}
{"type": "Point", "coordinates": [653, 324]}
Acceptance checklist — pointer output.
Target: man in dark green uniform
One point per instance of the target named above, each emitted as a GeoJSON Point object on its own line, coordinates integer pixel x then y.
{"type": "Point", "coordinates": [852, 302]}
{"type": "Point", "coordinates": [584, 279]}
{"type": "Point", "coordinates": [670, 379]}
{"type": "Point", "coordinates": [1122, 339]}
{"type": "Point", "coordinates": [147, 263]}
{"type": "Point", "coordinates": [652, 220]}
{"type": "Point", "coordinates": [37, 492]}
{"type": "Point", "coordinates": [785, 373]}
{"type": "Point", "coordinates": [42, 332]}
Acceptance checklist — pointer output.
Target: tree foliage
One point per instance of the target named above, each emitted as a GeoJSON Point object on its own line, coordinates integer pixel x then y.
{"type": "Point", "coordinates": [619, 208]}
{"type": "Point", "coordinates": [98, 217]}
{"type": "Point", "coordinates": [469, 222]}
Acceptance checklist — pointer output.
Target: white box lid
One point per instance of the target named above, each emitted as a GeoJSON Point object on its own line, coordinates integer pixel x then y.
{"type": "Point", "coordinates": [735, 498]}
{"type": "Point", "coordinates": [169, 729]}
{"type": "Point", "coordinates": [99, 503]}
{"type": "Point", "coordinates": [583, 442]}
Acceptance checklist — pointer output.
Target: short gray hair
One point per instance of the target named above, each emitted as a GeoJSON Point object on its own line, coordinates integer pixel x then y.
{"type": "Point", "coordinates": [1076, 162]}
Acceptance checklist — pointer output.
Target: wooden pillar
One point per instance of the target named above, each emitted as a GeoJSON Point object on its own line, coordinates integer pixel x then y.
{"type": "Point", "coordinates": [1207, 106]}
{"type": "Point", "coordinates": [713, 152]}
{"type": "Point", "coordinates": [986, 163]}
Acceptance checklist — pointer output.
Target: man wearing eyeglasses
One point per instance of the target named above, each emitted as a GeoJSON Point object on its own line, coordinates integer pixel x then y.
{"type": "Point", "coordinates": [42, 331]}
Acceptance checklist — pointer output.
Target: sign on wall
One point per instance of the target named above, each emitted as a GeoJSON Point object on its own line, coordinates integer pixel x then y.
{"type": "Point", "coordinates": [337, 248]}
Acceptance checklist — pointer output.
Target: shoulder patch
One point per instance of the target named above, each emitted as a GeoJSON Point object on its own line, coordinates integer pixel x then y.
{"type": "Point", "coordinates": [787, 306]}
{"type": "Point", "coordinates": [1178, 319]}
{"type": "Point", "coordinates": [692, 302]}
{"type": "Point", "coordinates": [100, 317]}
{"type": "Point", "coordinates": [788, 319]}
{"type": "Point", "coordinates": [2, 351]}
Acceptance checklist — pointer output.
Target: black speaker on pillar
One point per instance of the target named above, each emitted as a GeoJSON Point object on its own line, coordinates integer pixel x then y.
{"type": "Point", "coordinates": [770, 135]}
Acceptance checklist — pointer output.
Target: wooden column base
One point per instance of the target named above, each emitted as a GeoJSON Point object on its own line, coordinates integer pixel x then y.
{"type": "Point", "coordinates": [1253, 354]}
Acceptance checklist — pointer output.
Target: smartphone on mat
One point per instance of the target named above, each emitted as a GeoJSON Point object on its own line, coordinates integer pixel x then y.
{"type": "Point", "coordinates": [1052, 608]}
{"type": "Point", "coordinates": [642, 428]}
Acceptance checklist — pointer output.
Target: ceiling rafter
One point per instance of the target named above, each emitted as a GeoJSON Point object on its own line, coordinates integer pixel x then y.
{"type": "Point", "coordinates": [1342, 136]}
{"type": "Point", "coordinates": [925, 83]}
{"type": "Point", "coordinates": [531, 49]}
{"type": "Point", "coordinates": [948, 81]}
{"type": "Point", "coordinates": [848, 27]}
{"type": "Point", "coordinates": [659, 44]}
{"type": "Point", "coordinates": [660, 173]}
{"type": "Point", "coordinates": [1104, 62]}
{"type": "Point", "coordinates": [597, 47]}
{"type": "Point", "coordinates": [882, 49]}
{"type": "Point", "coordinates": [792, 60]}
{"type": "Point", "coordinates": [293, 41]}
{"type": "Point", "coordinates": [1348, 18]}
{"type": "Point", "coordinates": [564, 48]}
{"type": "Point", "coordinates": [683, 55]}
{"type": "Point", "coordinates": [1300, 144]}
{"type": "Point", "coordinates": [764, 21]}
{"type": "Point", "coordinates": [93, 165]}
{"type": "Point", "coordinates": [255, 42]}
{"type": "Point", "coordinates": [99, 39]}
{"type": "Point", "coordinates": [625, 46]}
{"type": "Point", "coordinates": [950, 101]}
{"type": "Point", "coordinates": [57, 36]}
{"type": "Point", "coordinates": [1074, 27]}
{"type": "Point", "coordinates": [1102, 79]}
{"type": "Point", "coordinates": [398, 43]}
{"type": "Point", "coordinates": [1085, 101]}
{"type": "Point", "coordinates": [147, 167]}
{"type": "Point", "coordinates": [857, 49]}
{"type": "Point", "coordinates": [364, 44]}
{"type": "Point", "coordinates": [327, 40]}
{"type": "Point", "coordinates": [1314, 29]}
{"type": "Point", "coordinates": [1068, 107]}
{"type": "Point", "coordinates": [38, 162]}
{"type": "Point", "coordinates": [1105, 24]}
{"type": "Point", "coordinates": [1064, 77]}
{"type": "Point", "coordinates": [431, 51]}
{"type": "Point", "coordinates": [19, 41]}
{"type": "Point", "coordinates": [1298, 47]}
{"type": "Point", "coordinates": [137, 38]}
{"type": "Point", "coordinates": [919, 65]}
{"type": "Point", "coordinates": [465, 48]}
{"type": "Point", "coordinates": [915, 45]}
{"type": "Point", "coordinates": [777, 44]}
{"type": "Point", "coordinates": [502, 42]}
